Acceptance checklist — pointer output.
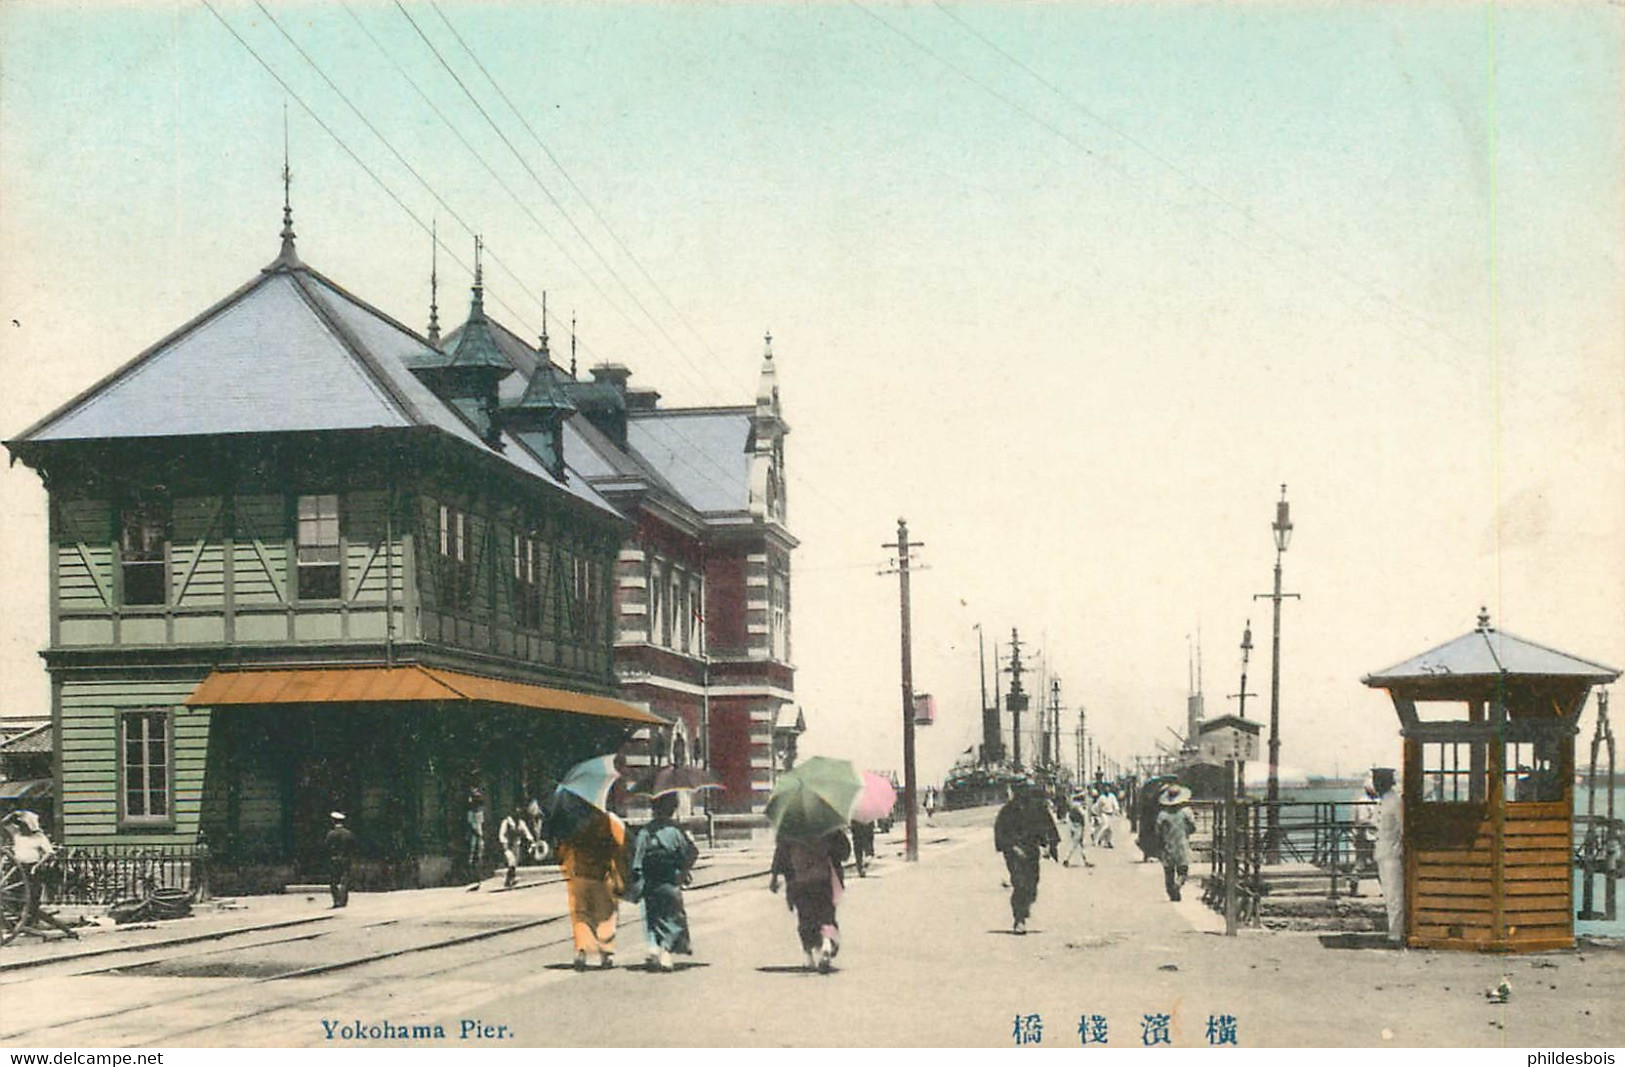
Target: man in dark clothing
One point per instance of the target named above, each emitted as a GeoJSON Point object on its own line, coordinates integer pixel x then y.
{"type": "Point", "coordinates": [340, 848]}
{"type": "Point", "coordinates": [863, 845]}
{"type": "Point", "coordinates": [1023, 831]}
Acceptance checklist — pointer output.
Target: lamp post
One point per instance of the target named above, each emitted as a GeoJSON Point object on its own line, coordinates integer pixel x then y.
{"type": "Point", "coordinates": [1282, 527]}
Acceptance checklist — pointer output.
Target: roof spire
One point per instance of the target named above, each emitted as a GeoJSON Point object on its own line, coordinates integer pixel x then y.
{"type": "Point", "coordinates": [1484, 617]}
{"type": "Point", "coordinates": [434, 282]}
{"type": "Point", "coordinates": [767, 341]}
{"type": "Point", "coordinates": [477, 309]}
{"type": "Point", "coordinates": [287, 257]}
{"type": "Point", "coordinates": [572, 342]}
{"type": "Point", "coordinates": [287, 194]}
{"type": "Point", "coordinates": [546, 356]}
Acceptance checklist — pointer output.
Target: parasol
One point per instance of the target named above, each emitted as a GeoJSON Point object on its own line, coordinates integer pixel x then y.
{"type": "Point", "coordinates": [581, 799]}
{"type": "Point", "coordinates": [817, 796]}
{"type": "Point", "coordinates": [658, 781]}
{"type": "Point", "coordinates": [876, 799]}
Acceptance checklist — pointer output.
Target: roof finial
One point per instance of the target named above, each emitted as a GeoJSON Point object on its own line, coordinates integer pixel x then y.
{"type": "Point", "coordinates": [477, 310]}
{"type": "Point", "coordinates": [767, 341]}
{"type": "Point", "coordinates": [287, 256]}
{"type": "Point", "coordinates": [572, 342]}
{"type": "Point", "coordinates": [434, 282]}
{"type": "Point", "coordinates": [1484, 617]}
{"type": "Point", "coordinates": [546, 357]}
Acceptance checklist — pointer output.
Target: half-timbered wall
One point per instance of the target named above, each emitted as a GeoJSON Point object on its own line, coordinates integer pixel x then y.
{"type": "Point", "coordinates": [229, 575]}
{"type": "Point", "coordinates": [521, 583]}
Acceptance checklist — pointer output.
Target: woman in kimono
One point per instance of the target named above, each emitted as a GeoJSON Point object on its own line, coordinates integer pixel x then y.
{"type": "Point", "coordinates": [661, 862]}
{"type": "Point", "coordinates": [811, 870]}
{"type": "Point", "coordinates": [593, 863]}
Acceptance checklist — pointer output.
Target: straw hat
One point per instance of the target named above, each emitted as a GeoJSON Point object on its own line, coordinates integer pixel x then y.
{"type": "Point", "coordinates": [1175, 795]}
{"type": "Point", "coordinates": [336, 816]}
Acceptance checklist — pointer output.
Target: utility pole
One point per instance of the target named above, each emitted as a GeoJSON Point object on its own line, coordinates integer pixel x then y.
{"type": "Point", "coordinates": [989, 742]}
{"type": "Point", "coordinates": [1055, 720]}
{"type": "Point", "coordinates": [912, 822]}
{"type": "Point", "coordinates": [1017, 701]}
{"type": "Point", "coordinates": [1083, 763]}
{"type": "Point", "coordinates": [1282, 528]}
{"type": "Point", "coordinates": [998, 704]}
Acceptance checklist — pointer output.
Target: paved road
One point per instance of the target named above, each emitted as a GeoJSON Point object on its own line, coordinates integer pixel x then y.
{"type": "Point", "coordinates": [927, 959]}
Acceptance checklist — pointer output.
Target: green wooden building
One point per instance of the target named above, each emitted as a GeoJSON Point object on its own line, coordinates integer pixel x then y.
{"type": "Point", "coordinates": [298, 563]}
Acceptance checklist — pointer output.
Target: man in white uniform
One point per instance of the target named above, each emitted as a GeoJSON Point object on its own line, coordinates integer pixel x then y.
{"type": "Point", "coordinates": [1390, 850]}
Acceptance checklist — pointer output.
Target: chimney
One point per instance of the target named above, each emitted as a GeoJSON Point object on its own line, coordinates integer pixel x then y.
{"type": "Point", "coordinates": [614, 374]}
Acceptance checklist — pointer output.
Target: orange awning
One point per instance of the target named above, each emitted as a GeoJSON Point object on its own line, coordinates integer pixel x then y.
{"type": "Point", "coordinates": [412, 684]}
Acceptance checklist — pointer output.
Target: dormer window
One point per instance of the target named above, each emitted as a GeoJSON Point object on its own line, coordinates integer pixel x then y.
{"type": "Point", "coordinates": [143, 545]}
{"type": "Point", "coordinates": [320, 565]}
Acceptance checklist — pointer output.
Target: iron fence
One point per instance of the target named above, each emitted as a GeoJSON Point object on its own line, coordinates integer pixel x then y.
{"type": "Point", "coordinates": [1331, 840]}
{"type": "Point", "coordinates": [104, 874]}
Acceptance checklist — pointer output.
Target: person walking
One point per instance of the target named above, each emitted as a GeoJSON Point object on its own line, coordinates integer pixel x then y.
{"type": "Point", "coordinates": [474, 823]}
{"type": "Point", "coordinates": [811, 870]}
{"type": "Point", "coordinates": [1108, 809]}
{"type": "Point", "coordinates": [1072, 823]}
{"type": "Point", "coordinates": [593, 863]}
{"type": "Point", "coordinates": [1174, 827]}
{"type": "Point", "coordinates": [662, 862]}
{"type": "Point", "coordinates": [515, 837]}
{"type": "Point", "coordinates": [863, 845]}
{"type": "Point", "coordinates": [1390, 850]}
{"type": "Point", "coordinates": [1023, 831]}
{"type": "Point", "coordinates": [340, 843]}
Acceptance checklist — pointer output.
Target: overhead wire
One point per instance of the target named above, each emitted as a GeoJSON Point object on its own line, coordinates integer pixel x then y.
{"type": "Point", "coordinates": [795, 476]}
{"type": "Point", "coordinates": [683, 460]}
{"type": "Point", "coordinates": [558, 206]}
{"type": "Point", "coordinates": [585, 199]}
{"type": "Point", "coordinates": [427, 228]}
{"type": "Point", "coordinates": [472, 232]}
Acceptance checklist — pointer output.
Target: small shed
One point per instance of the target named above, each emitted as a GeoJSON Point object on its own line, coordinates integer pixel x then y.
{"type": "Point", "coordinates": [1489, 721]}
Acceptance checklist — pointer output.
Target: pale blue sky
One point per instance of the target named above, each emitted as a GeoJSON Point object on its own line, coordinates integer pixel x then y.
{"type": "Point", "coordinates": [1076, 332]}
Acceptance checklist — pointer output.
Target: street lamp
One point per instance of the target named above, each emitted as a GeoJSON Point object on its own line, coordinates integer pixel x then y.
{"type": "Point", "coordinates": [1282, 528]}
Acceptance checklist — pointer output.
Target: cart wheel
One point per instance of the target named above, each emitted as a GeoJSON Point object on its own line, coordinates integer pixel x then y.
{"type": "Point", "coordinates": [16, 897]}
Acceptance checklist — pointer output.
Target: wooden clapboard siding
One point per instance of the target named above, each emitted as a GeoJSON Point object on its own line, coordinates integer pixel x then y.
{"type": "Point", "coordinates": [83, 538]}
{"type": "Point", "coordinates": [370, 561]}
{"type": "Point", "coordinates": [197, 560]}
{"type": "Point", "coordinates": [88, 733]}
{"type": "Point", "coordinates": [1538, 887]}
{"type": "Point", "coordinates": [1533, 827]}
{"type": "Point", "coordinates": [1452, 872]}
{"type": "Point", "coordinates": [260, 550]}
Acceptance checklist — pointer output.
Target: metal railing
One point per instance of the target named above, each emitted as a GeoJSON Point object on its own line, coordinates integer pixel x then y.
{"type": "Point", "coordinates": [104, 874]}
{"type": "Point", "coordinates": [1313, 840]}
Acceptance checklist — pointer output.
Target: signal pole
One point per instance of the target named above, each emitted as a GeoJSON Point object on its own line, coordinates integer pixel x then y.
{"type": "Point", "coordinates": [1242, 695]}
{"type": "Point", "coordinates": [911, 823]}
{"type": "Point", "coordinates": [1017, 701]}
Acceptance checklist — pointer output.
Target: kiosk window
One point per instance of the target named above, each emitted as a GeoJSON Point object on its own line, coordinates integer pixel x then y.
{"type": "Point", "coordinates": [1453, 772]}
{"type": "Point", "coordinates": [1531, 772]}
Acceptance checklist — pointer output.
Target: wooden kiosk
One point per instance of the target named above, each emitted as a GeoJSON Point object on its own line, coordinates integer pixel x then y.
{"type": "Point", "coordinates": [1489, 795]}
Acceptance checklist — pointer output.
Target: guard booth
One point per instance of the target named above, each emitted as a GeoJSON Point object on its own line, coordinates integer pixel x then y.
{"type": "Point", "coordinates": [1489, 721]}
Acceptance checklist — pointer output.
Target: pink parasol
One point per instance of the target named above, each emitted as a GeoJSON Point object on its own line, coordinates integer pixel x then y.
{"type": "Point", "coordinates": [876, 799]}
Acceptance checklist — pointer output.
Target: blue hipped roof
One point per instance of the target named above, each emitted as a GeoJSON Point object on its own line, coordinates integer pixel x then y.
{"type": "Point", "coordinates": [291, 351]}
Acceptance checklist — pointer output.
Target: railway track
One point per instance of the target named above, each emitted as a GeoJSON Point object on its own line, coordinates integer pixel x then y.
{"type": "Point", "coordinates": [239, 956]}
